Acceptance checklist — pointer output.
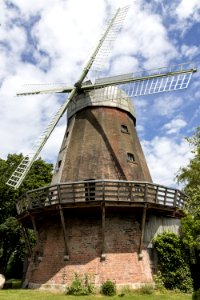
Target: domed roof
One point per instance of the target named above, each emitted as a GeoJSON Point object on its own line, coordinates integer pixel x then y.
{"type": "Point", "coordinates": [110, 96]}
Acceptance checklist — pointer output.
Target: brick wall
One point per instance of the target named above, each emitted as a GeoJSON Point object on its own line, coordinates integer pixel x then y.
{"type": "Point", "coordinates": [84, 235]}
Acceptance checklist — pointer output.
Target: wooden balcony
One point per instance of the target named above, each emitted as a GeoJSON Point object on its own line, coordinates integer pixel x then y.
{"type": "Point", "coordinates": [95, 192]}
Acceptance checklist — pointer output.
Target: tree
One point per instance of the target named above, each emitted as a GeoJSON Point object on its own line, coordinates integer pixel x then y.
{"type": "Point", "coordinates": [190, 177]}
{"type": "Point", "coordinates": [11, 238]}
{"type": "Point", "coordinates": [173, 262]}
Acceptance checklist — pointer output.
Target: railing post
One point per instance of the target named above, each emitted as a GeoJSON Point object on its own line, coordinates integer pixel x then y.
{"type": "Point", "coordinates": [142, 232]}
{"type": "Point", "coordinates": [165, 197]}
{"type": "Point", "coordinates": [59, 194]}
{"type": "Point", "coordinates": [130, 191]}
{"type": "Point", "coordinates": [145, 192]}
{"type": "Point", "coordinates": [73, 192]}
{"type": "Point", "coordinates": [66, 255]}
{"type": "Point", "coordinates": [175, 198]}
{"type": "Point", "coordinates": [156, 197]}
{"type": "Point", "coordinates": [103, 191]}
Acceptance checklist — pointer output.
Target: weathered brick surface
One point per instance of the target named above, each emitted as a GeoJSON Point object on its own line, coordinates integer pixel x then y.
{"type": "Point", "coordinates": [85, 243]}
{"type": "Point", "coordinates": [96, 148]}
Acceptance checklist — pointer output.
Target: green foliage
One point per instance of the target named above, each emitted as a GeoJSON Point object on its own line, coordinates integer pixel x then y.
{"type": "Point", "coordinates": [108, 288]}
{"type": "Point", "coordinates": [81, 286]}
{"type": "Point", "coordinates": [191, 232]}
{"type": "Point", "coordinates": [189, 176]}
{"type": "Point", "coordinates": [27, 294]}
{"type": "Point", "coordinates": [11, 239]}
{"type": "Point", "coordinates": [159, 281]}
{"type": "Point", "coordinates": [173, 262]}
{"type": "Point", "coordinates": [146, 289]}
{"type": "Point", "coordinates": [126, 290]}
{"type": "Point", "coordinates": [196, 295]}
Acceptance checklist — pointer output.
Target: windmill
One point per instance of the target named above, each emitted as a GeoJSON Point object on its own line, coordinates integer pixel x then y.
{"type": "Point", "coordinates": [101, 186]}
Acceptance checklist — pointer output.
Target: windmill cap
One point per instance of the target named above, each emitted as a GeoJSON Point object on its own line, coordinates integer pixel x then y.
{"type": "Point", "coordinates": [110, 96]}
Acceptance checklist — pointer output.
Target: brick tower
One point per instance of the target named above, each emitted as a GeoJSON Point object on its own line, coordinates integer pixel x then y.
{"type": "Point", "coordinates": [92, 218]}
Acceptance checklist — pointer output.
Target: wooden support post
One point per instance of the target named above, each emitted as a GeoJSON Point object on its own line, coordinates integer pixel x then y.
{"type": "Point", "coordinates": [34, 228]}
{"type": "Point", "coordinates": [142, 232]}
{"type": "Point", "coordinates": [27, 241]}
{"type": "Point", "coordinates": [66, 255]}
{"type": "Point", "coordinates": [37, 237]}
{"type": "Point", "coordinates": [103, 213]}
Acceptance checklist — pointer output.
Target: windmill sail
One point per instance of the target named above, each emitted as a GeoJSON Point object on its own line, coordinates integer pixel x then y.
{"type": "Point", "coordinates": [134, 84]}
{"type": "Point", "coordinates": [37, 89]}
{"type": "Point", "coordinates": [20, 173]}
{"type": "Point", "coordinates": [152, 82]}
{"type": "Point", "coordinates": [106, 48]}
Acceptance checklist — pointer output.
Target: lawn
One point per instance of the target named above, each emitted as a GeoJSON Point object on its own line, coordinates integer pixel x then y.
{"type": "Point", "coordinates": [20, 294]}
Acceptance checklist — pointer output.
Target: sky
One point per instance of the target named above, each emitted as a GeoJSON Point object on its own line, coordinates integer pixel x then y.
{"type": "Point", "coordinates": [48, 42]}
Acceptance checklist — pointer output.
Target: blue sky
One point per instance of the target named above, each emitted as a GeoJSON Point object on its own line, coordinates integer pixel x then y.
{"type": "Point", "coordinates": [48, 42]}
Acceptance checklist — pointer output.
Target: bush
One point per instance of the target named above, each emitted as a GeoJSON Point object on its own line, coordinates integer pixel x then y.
{"type": "Point", "coordinates": [147, 289]}
{"type": "Point", "coordinates": [108, 288]}
{"type": "Point", "coordinates": [126, 290]}
{"type": "Point", "coordinates": [173, 262]}
{"type": "Point", "coordinates": [196, 295]}
{"type": "Point", "coordinates": [81, 286]}
{"type": "Point", "coordinates": [159, 281]}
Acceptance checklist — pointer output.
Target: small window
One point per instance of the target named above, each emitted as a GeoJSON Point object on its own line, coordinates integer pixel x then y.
{"type": "Point", "coordinates": [130, 157]}
{"type": "Point", "coordinates": [67, 133]}
{"type": "Point", "coordinates": [59, 163]}
{"type": "Point", "coordinates": [124, 129]}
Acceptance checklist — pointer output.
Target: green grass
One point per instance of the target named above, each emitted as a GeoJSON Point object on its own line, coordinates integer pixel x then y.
{"type": "Point", "coordinates": [20, 294]}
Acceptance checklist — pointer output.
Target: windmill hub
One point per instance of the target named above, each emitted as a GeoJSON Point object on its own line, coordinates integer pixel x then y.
{"type": "Point", "coordinates": [78, 85]}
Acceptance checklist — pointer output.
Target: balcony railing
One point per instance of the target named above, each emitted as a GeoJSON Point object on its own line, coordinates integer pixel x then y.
{"type": "Point", "coordinates": [101, 191]}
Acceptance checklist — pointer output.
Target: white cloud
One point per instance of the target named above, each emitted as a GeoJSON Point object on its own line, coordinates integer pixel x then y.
{"type": "Point", "coordinates": [167, 105]}
{"type": "Point", "coordinates": [66, 31]}
{"type": "Point", "coordinates": [188, 9]}
{"type": "Point", "coordinates": [189, 51]}
{"type": "Point", "coordinates": [165, 157]}
{"type": "Point", "coordinates": [175, 125]}
{"type": "Point", "coordinates": [146, 36]}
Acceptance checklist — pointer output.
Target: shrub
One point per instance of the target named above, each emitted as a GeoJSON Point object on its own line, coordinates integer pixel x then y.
{"type": "Point", "coordinates": [159, 281]}
{"type": "Point", "coordinates": [81, 286]}
{"type": "Point", "coordinates": [108, 288]}
{"type": "Point", "coordinates": [146, 289]}
{"type": "Point", "coordinates": [196, 295]}
{"type": "Point", "coordinates": [126, 290]}
{"type": "Point", "coordinates": [173, 262]}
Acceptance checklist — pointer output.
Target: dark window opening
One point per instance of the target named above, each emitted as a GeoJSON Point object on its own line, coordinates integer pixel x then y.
{"type": "Point", "coordinates": [59, 163]}
{"type": "Point", "coordinates": [67, 133]}
{"type": "Point", "coordinates": [124, 129]}
{"type": "Point", "coordinates": [89, 190]}
{"type": "Point", "coordinates": [130, 157]}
